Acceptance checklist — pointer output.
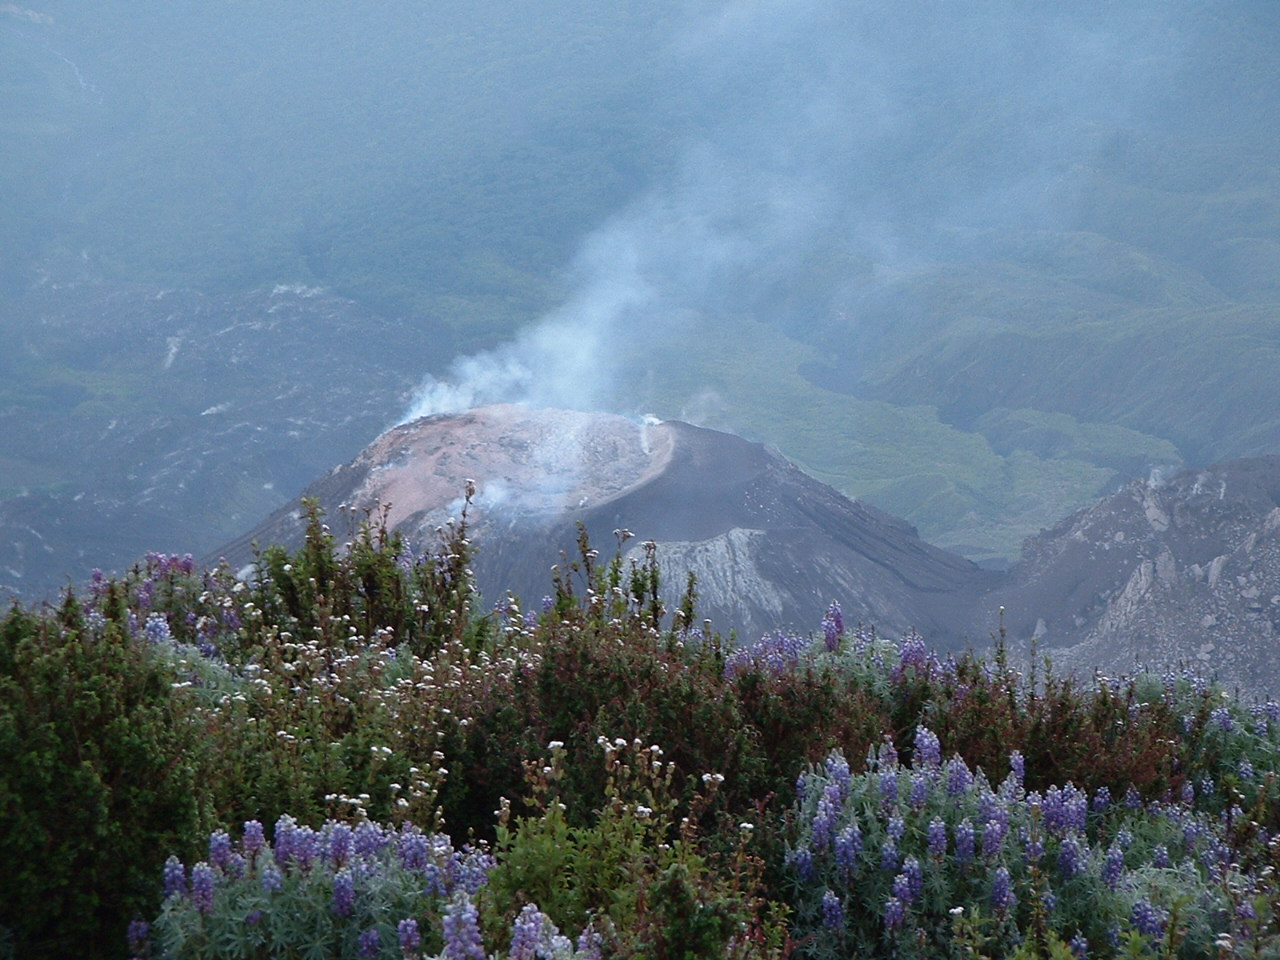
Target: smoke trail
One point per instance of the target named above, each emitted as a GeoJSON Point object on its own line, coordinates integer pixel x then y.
{"type": "Point", "coordinates": [825, 126]}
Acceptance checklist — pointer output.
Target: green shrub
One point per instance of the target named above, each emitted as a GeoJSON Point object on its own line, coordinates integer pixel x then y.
{"type": "Point", "coordinates": [98, 780]}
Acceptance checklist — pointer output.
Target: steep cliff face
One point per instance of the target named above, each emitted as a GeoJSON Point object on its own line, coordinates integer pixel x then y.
{"type": "Point", "coordinates": [1184, 570]}
{"type": "Point", "coordinates": [770, 546]}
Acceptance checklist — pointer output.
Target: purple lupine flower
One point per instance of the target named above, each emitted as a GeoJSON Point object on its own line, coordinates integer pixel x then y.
{"type": "Point", "coordinates": [848, 846]}
{"type": "Point", "coordinates": [914, 873]}
{"type": "Point", "coordinates": [1101, 799]}
{"type": "Point", "coordinates": [937, 834]}
{"type": "Point", "coordinates": [1188, 793]}
{"type": "Point", "coordinates": [175, 878]}
{"type": "Point", "coordinates": [272, 879]}
{"type": "Point", "coordinates": [802, 783]}
{"type": "Point", "coordinates": [928, 751]}
{"type": "Point", "coordinates": [837, 768]}
{"type": "Point", "coordinates": [305, 847]}
{"type": "Point", "coordinates": [896, 829]}
{"type": "Point", "coordinates": [1032, 846]}
{"type": "Point", "coordinates": [1207, 787]}
{"type": "Point", "coordinates": [410, 938]}
{"type": "Point", "coordinates": [412, 849]}
{"type": "Point", "coordinates": [341, 845]}
{"type": "Point", "coordinates": [1245, 769]}
{"type": "Point", "coordinates": [993, 835]}
{"type": "Point", "coordinates": [886, 755]}
{"type": "Point", "coordinates": [1079, 945]}
{"type": "Point", "coordinates": [895, 913]}
{"type": "Point", "coordinates": [1124, 837]}
{"type": "Point", "coordinates": [1149, 920]}
{"type": "Point", "coordinates": [220, 849]}
{"type": "Point", "coordinates": [368, 839]}
{"type": "Point", "coordinates": [1018, 766]}
{"type": "Point", "coordinates": [832, 627]}
{"type": "Point", "coordinates": [1003, 898]}
{"type": "Point", "coordinates": [202, 878]}
{"type": "Point", "coordinates": [461, 929]}
{"type": "Point", "coordinates": [1065, 809]}
{"type": "Point", "coordinates": [822, 830]}
{"type": "Point", "coordinates": [474, 869]}
{"type": "Point", "coordinates": [1071, 857]}
{"type": "Point", "coordinates": [901, 888]}
{"type": "Point", "coordinates": [368, 943]}
{"type": "Point", "coordinates": [254, 840]}
{"type": "Point", "coordinates": [964, 841]}
{"type": "Point", "coordinates": [802, 862]}
{"type": "Point", "coordinates": [138, 933]}
{"type": "Point", "coordinates": [344, 892]}
{"type": "Point", "coordinates": [1160, 856]}
{"type": "Point", "coordinates": [156, 629]}
{"type": "Point", "coordinates": [889, 856]}
{"type": "Point", "coordinates": [1191, 831]}
{"type": "Point", "coordinates": [253, 918]}
{"type": "Point", "coordinates": [284, 837]}
{"type": "Point", "coordinates": [590, 944]}
{"type": "Point", "coordinates": [914, 653]}
{"type": "Point", "coordinates": [888, 786]}
{"type": "Point", "coordinates": [832, 911]}
{"type": "Point", "coordinates": [919, 794]}
{"type": "Point", "coordinates": [1113, 867]}
{"type": "Point", "coordinates": [437, 884]}
{"type": "Point", "coordinates": [991, 808]}
{"type": "Point", "coordinates": [1132, 798]}
{"type": "Point", "coordinates": [958, 777]}
{"type": "Point", "coordinates": [526, 933]}
{"type": "Point", "coordinates": [1222, 719]}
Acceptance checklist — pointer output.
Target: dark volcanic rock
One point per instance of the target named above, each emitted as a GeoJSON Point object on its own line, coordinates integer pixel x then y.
{"type": "Point", "coordinates": [1183, 570]}
{"type": "Point", "coordinates": [770, 545]}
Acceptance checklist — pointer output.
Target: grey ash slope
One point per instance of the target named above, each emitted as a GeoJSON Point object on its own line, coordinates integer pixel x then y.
{"type": "Point", "coordinates": [770, 545]}
{"type": "Point", "coordinates": [1182, 570]}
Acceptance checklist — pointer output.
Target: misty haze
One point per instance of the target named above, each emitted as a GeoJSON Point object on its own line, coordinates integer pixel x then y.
{"type": "Point", "coordinates": [977, 265]}
{"type": "Point", "coordinates": [639, 479]}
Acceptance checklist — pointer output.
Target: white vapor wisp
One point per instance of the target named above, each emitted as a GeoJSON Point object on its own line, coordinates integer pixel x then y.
{"type": "Point", "coordinates": [813, 134]}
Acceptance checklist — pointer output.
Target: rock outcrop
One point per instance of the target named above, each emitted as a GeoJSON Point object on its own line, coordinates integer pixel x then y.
{"type": "Point", "coordinates": [1166, 571]}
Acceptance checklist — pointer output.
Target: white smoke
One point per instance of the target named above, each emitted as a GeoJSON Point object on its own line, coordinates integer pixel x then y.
{"type": "Point", "coordinates": [813, 117]}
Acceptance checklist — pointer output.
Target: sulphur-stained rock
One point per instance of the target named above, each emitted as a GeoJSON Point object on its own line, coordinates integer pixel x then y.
{"type": "Point", "coordinates": [771, 547]}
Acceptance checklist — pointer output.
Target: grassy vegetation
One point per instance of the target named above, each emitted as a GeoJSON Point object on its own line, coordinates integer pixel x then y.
{"type": "Point", "coordinates": [340, 756]}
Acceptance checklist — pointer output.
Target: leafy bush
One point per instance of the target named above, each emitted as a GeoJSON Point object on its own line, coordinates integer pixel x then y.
{"type": "Point", "coordinates": [364, 684]}
{"type": "Point", "coordinates": [98, 778]}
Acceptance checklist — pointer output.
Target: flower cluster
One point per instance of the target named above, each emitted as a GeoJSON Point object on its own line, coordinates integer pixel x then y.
{"type": "Point", "coordinates": [893, 851]}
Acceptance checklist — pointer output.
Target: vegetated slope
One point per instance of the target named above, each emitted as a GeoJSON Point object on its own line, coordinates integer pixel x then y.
{"type": "Point", "coordinates": [625, 775]}
{"type": "Point", "coordinates": [135, 418]}
{"type": "Point", "coordinates": [770, 546]}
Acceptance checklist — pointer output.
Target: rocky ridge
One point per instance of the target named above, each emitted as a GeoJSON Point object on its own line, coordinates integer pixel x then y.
{"type": "Point", "coordinates": [1177, 570]}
